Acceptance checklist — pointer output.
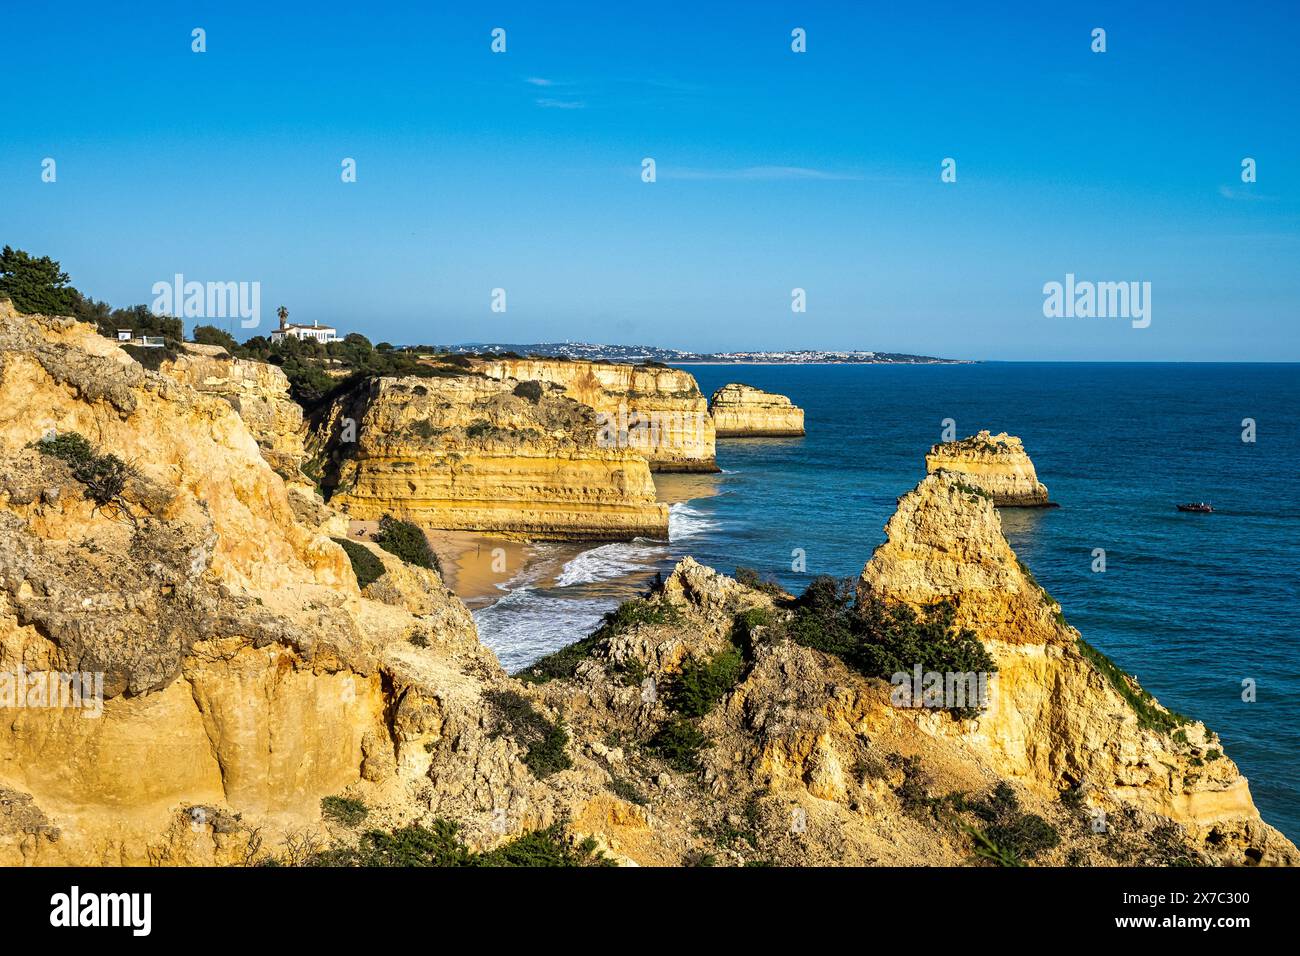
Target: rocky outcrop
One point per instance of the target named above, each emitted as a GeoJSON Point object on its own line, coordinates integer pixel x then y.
{"type": "Point", "coordinates": [257, 391]}
{"type": "Point", "coordinates": [653, 410]}
{"type": "Point", "coordinates": [1061, 715]}
{"type": "Point", "coordinates": [243, 676]}
{"type": "Point", "coordinates": [742, 411]}
{"type": "Point", "coordinates": [994, 464]}
{"type": "Point", "coordinates": [475, 453]}
{"type": "Point", "coordinates": [805, 760]}
{"type": "Point", "coordinates": [235, 675]}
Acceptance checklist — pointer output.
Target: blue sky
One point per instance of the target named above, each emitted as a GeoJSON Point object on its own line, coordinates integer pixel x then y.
{"type": "Point", "coordinates": [776, 170]}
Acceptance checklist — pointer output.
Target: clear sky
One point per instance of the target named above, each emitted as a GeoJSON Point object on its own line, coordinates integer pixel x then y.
{"type": "Point", "coordinates": [776, 170]}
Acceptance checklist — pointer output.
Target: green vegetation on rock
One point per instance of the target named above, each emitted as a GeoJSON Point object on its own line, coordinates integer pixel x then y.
{"type": "Point", "coordinates": [365, 563]}
{"type": "Point", "coordinates": [406, 541]}
{"type": "Point", "coordinates": [1150, 713]}
{"type": "Point", "coordinates": [544, 741]}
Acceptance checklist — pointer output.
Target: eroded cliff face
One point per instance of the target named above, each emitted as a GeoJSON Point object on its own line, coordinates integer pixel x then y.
{"type": "Point", "coordinates": [995, 464]}
{"type": "Point", "coordinates": [245, 677]}
{"type": "Point", "coordinates": [467, 452]}
{"type": "Point", "coordinates": [1060, 715]}
{"type": "Point", "coordinates": [742, 411]}
{"type": "Point", "coordinates": [655, 411]}
{"type": "Point", "coordinates": [259, 392]}
{"type": "Point", "coordinates": [241, 675]}
{"type": "Point", "coordinates": [806, 761]}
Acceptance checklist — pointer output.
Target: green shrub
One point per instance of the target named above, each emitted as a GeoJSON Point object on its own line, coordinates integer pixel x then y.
{"type": "Point", "coordinates": [532, 391]}
{"type": "Point", "coordinates": [543, 848]}
{"type": "Point", "coordinates": [1010, 836]}
{"type": "Point", "coordinates": [629, 614]}
{"type": "Point", "coordinates": [152, 357]}
{"type": "Point", "coordinates": [344, 810]}
{"type": "Point", "coordinates": [701, 685]}
{"type": "Point", "coordinates": [406, 541]}
{"type": "Point", "coordinates": [626, 790]}
{"type": "Point", "coordinates": [544, 741]}
{"type": "Point", "coordinates": [405, 847]}
{"type": "Point", "coordinates": [365, 563]}
{"type": "Point", "coordinates": [561, 663]}
{"type": "Point", "coordinates": [678, 743]}
{"type": "Point", "coordinates": [418, 639]}
{"type": "Point", "coordinates": [751, 579]}
{"type": "Point", "coordinates": [880, 641]}
{"type": "Point", "coordinates": [105, 476]}
{"type": "Point", "coordinates": [70, 447]}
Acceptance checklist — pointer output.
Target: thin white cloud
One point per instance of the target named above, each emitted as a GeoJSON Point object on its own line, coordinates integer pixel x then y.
{"type": "Point", "coordinates": [1235, 194]}
{"type": "Point", "coordinates": [759, 173]}
{"type": "Point", "coordinates": [549, 103]}
{"type": "Point", "coordinates": [539, 81]}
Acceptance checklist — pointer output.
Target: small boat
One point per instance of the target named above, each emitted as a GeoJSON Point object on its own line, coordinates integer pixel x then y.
{"type": "Point", "coordinates": [1200, 507]}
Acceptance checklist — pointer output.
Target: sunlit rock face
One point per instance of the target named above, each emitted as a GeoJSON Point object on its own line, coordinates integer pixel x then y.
{"type": "Point", "coordinates": [470, 452]}
{"type": "Point", "coordinates": [995, 464]}
{"type": "Point", "coordinates": [1058, 719]}
{"type": "Point", "coordinates": [742, 411]}
{"type": "Point", "coordinates": [652, 409]}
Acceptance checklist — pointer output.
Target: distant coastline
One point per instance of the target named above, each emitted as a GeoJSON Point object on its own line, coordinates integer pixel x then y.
{"type": "Point", "coordinates": [643, 354]}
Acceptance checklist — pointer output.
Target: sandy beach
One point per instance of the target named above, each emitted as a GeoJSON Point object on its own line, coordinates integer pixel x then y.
{"type": "Point", "coordinates": [475, 566]}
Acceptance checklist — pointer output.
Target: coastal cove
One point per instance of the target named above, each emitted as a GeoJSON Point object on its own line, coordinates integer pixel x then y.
{"type": "Point", "coordinates": [1183, 603]}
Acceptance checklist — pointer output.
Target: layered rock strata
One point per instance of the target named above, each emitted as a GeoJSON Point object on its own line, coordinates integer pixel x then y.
{"type": "Point", "coordinates": [469, 452]}
{"type": "Point", "coordinates": [995, 464]}
{"type": "Point", "coordinates": [654, 410]}
{"type": "Point", "coordinates": [742, 411]}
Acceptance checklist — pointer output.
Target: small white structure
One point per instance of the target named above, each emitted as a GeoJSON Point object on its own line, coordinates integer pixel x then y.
{"type": "Point", "coordinates": [128, 337]}
{"type": "Point", "coordinates": [316, 332]}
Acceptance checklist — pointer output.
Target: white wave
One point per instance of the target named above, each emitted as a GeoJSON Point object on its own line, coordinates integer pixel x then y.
{"type": "Point", "coordinates": [687, 522]}
{"type": "Point", "coordinates": [525, 625]}
{"type": "Point", "coordinates": [610, 561]}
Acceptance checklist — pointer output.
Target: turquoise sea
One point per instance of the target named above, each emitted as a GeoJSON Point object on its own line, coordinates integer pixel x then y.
{"type": "Point", "coordinates": [1193, 604]}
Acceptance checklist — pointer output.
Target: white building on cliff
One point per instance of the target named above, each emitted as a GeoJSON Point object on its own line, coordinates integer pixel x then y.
{"type": "Point", "coordinates": [314, 332]}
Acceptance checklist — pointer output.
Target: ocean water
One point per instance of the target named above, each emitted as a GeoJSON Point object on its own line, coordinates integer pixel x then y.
{"type": "Point", "coordinates": [1192, 604]}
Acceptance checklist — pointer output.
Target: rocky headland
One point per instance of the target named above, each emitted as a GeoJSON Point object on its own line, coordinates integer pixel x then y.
{"type": "Point", "coordinates": [470, 452]}
{"type": "Point", "coordinates": [742, 411]}
{"type": "Point", "coordinates": [260, 704]}
{"type": "Point", "coordinates": [654, 410]}
{"type": "Point", "coordinates": [996, 465]}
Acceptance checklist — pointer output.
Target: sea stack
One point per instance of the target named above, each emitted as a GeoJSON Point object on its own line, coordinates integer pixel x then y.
{"type": "Point", "coordinates": [996, 465]}
{"type": "Point", "coordinates": [742, 411]}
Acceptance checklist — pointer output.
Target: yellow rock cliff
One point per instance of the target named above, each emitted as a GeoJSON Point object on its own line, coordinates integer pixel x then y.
{"type": "Point", "coordinates": [744, 411]}
{"type": "Point", "coordinates": [656, 411]}
{"type": "Point", "coordinates": [995, 464]}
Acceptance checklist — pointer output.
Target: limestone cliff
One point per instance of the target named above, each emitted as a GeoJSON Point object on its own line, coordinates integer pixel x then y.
{"type": "Point", "coordinates": [804, 760]}
{"type": "Point", "coordinates": [1060, 714]}
{"type": "Point", "coordinates": [741, 411]}
{"type": "Point", "coordinates": [475, 453]}
{"type": "Point", "coordinates": [259, 392]}
{"type": "Point", "coordinates": [245, 676]}
{"type": "Point", "coordinates": [651, 409]}
{"type": "Point", "coordinates": [242, 675]}
{"type": "Point", "coordinates": [995, 464]}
